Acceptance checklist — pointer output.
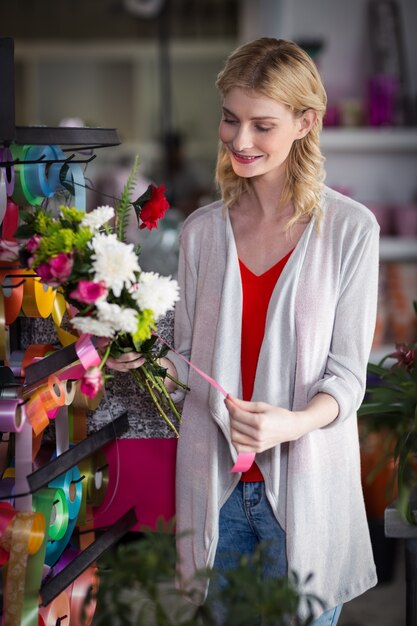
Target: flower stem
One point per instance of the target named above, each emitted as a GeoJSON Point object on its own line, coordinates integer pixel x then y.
{"type": "Point", "coordinates": [105, 357]}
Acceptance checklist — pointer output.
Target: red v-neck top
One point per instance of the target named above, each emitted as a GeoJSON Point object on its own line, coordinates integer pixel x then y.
{"type": "Point", "coordinates": [257, 292]}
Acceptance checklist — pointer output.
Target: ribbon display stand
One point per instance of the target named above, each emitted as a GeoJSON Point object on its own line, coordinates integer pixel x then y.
{"type": "Point", "coordinates": [45, 498]}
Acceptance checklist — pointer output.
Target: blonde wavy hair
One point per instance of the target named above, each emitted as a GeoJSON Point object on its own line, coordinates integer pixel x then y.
{"type": "Point", "coordinates": [281, 70]}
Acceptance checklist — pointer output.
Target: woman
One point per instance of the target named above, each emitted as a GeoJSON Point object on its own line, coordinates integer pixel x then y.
{"type": "Point", "coordinates": [278, 303]}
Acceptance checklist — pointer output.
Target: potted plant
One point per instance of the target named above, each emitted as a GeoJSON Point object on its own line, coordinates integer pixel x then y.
{"type": "Point", "coordinates": [390, 410]}
{"type": "Point", "coordinates": [137, 589]}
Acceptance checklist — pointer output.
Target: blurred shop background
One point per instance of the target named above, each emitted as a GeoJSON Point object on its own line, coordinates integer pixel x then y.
{"type": "Point", "coordinates": [148, 67]}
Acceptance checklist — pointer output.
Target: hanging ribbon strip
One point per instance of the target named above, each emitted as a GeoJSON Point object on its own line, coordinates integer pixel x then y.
{"type": "Point", "coordinates": [22, 535]}
{"type": "Point", "coordinates": [244, 459]}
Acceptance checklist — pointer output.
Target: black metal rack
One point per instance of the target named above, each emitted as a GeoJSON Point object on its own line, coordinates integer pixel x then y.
{"type": "Point", "coordinates": [73, 138]}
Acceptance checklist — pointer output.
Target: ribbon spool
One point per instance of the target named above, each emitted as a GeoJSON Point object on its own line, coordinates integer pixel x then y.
{"type": "Point", "coordinates": [21, 194]}
{"type": "Point", "coordinates": [10, 221]}
{"type": "Point", "coordinates": [80, 588]}
{"type": "Point", "coordinates": [44, 403]}
{"type": "Point", "coordinates": [75, 178]}
{"type": "Point", "coordinates": [42, 179]}
{"type": "Point", "coordinates": [58, 523]}
{"type": "Point", "coordinates": [38, 298]}
{"type": "Point", "coordinates": [70, 388]}
{"type": "Point", "coordinates": [12, 418]}
{"type": "Point", "coordinates": [57, 611]}
{"type": "Point", "coordinates": [12, 292]}
{"type": "Point", "coordinates": [99, 482]}
{"type": "Point", "coordinates": [71, 484]}
{"type": "Point", "coordinates": [81, 401]}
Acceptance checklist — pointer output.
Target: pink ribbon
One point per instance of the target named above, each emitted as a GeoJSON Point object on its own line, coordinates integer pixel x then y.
{"type": "Point", "coordinates": [88, 357]}
{"type": "Point", "coordinates": [244, 459]}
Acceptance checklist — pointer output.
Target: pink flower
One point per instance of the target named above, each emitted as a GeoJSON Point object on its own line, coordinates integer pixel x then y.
{"type": "Point", "coordinates": [89, 292]}
{"type": "Point", "coordinates": [44, 271]}
{"type": "Point", "coordinates": [56, 270]}
{"type": "Point", "coordinates": [61, 266]}
{"type": "Point", "coordinates": [405, 355]}
{"type": "Point", "coordinates": [91, 382]}
{"type": "Point", "coordinates": [9, 250]}
{"type": "Point", "coordinates": [33, 244]}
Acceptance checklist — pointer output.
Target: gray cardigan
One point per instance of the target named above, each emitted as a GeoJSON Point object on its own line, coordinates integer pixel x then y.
{"type": "Point", "coordinates": [318, 336]}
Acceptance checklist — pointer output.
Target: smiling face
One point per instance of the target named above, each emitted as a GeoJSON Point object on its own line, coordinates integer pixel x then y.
{"type": "Point", "coordinates": [258, 133]}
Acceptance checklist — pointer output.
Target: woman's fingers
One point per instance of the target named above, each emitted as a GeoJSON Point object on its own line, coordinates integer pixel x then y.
{"type": "Point", "coordinates": [126, 361]}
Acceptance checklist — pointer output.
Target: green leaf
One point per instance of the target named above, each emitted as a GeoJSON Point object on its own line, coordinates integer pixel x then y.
{"type": "Point", "coordinates": [122, 209]}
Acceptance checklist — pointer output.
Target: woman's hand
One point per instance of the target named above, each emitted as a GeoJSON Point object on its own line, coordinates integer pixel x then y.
{"type": "Point", "coordinates": [258, 426]}
{"type": "Point", "coordinates": [126, 361]}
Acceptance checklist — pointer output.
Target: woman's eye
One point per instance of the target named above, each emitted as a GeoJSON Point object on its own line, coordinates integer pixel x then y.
{"type": "Point", "coordinates": [263, 129]}
{"type": "Point", "coordinates": [227, 120]}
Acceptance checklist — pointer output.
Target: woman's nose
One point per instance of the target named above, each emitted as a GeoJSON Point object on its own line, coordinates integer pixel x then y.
{"type": "Point", "coordinates": [242, 139]}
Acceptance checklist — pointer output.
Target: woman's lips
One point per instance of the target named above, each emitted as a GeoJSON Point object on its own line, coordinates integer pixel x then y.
{"type": "Point", "coordinates": [246, 160]}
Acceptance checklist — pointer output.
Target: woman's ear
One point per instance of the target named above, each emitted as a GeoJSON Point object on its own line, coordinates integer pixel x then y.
{"type": "Point", "coordinates": [306, 122]}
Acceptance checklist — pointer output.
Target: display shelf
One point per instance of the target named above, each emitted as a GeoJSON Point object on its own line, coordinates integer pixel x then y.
{"type": "Point", "coordinates": [367, 139]}
{"type": "Point", "coordinates": [398, 249]}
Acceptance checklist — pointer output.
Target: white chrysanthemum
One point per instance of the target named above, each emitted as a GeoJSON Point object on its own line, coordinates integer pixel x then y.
{"type": "Point", "coordinates": [114, 262]}
{"type": "Point", "coordinates": [93, 326]}
{"type": "Point", "coordinates": [155, 292]}
{"type": "Point", "coordinates": [121, 319]}
{"type": "Point", "coordinates": [95, 219]}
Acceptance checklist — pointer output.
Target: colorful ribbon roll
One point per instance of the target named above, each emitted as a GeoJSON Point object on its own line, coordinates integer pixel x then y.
{"type": "Point", "coordinates": [43, 404]}
{"type": "Point", "coordinates": [79, 589]}
{"type": "Point", "coordinates": [10, 221]}
{"type": "Point", "coordinates": [57, 611]}
{"type": "Point", "coordinates": [75, 178]}
{"type": "Point", "coordinates": [21, 193]}
{"type": "Point", "coordinates": [12, 292]}
{"type": "Point", "coordinates": [71, 485]}
{"type": "Point", "coordinates": [42, 179]}
{"type": "Point", "coordinates": [12, 418]}
{"type": "Point", "coordinates": [58, 311]}
{"type": "Point", "coordinates": [38, 298]}
{"type": "Point", "coordinates": [58, 523]}
{"type": "Point", "coordinates": [95, 470]}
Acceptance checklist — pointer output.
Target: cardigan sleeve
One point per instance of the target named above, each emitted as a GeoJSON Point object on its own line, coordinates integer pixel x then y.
{"type": "Point", "coordinates": [354, 325]}
{"type": "Point", "coordinates": [184, 316]}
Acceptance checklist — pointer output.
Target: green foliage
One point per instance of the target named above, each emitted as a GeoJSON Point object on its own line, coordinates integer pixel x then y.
{"type": "Point", "coordinates": [391, 406]}
{"type": "Point", "coordinates": [137, 589]}
{"type": "Point", "coordinates": [122, 209]}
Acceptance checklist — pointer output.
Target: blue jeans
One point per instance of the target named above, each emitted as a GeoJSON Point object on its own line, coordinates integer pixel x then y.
{"type": "Point", "coordinates": [246, 520]}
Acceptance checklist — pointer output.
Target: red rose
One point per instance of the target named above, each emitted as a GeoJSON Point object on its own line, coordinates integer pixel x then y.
{"type": "Point", "coordinates": [154, 208]}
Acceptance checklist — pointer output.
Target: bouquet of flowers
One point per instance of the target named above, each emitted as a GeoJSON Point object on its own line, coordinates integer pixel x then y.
{"type": "Point", "coordinates": [85, 257]}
